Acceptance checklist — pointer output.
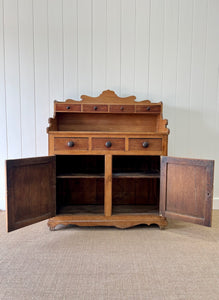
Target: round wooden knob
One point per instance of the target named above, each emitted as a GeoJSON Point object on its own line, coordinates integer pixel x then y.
{"type": "Point", "coordinates": [108, 144]}
{"type": "Point", "coordinates": [71, 144]}
{"type": "Point", "coordinates": [122, 108]}
{"type": "Point", "coordinates": [95, 107]}
{"type": "Point", "coordinates": [68, 107]}
{"type": "Point", "coordinates": [145, 144]}
{"type": "Point", "coordinates": [148, 108]}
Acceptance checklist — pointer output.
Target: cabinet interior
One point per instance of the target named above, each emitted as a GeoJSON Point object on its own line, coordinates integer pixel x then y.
{"type": "Point", "coordinates": [135, 185]}
{"type": "Point", "coordinates": [80, 184]}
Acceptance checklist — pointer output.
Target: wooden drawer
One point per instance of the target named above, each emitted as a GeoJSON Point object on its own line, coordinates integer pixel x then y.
{"type": "Point", "coordinates": [148, 108]}
{"type": "Point", "coordinates": [60, 107]}
{"type": "Point", "coordinates": [95, 108]}
{"type": "Point", "coordinates": [108, 144]}
{"type": "Point", "coordinates": [122, 108]}
{"type": "Point", "coordinates": [147, 144]}
{"type": "Point", "coordinates": [70, 143]}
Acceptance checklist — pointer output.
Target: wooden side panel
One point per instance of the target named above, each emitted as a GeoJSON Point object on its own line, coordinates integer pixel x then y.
{"type": "Point", "coordinates": [31, 191]}
{"type": "Point", "coordinates": [187, 189]}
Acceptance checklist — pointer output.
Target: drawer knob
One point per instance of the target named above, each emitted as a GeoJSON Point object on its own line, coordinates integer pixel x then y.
{"type": "Point", "coordinates": [68, 107]}
{"type": "Point", "coordinates": [145, 144]}
{"type": "Point", "coordinates": [71, 144]}
{"type": "Point", "coordinates": [95, 107]}
{"type": "Point", "coordinates": [148, 108]}
{"type": "Point", "coordinates": [122, 108]}
{"type": "Point", "coordinates": [108, 144]}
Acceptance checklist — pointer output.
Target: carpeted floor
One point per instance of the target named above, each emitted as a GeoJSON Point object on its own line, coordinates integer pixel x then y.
{"type": "Point", "coordinates": [181, 262]}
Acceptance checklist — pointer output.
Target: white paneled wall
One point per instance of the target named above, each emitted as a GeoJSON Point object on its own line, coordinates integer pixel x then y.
{"type": "Point", "coordinates": [161, 50]}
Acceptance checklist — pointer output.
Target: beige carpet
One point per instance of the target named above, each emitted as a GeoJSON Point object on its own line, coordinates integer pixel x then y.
{"type": "Point", "coordinates": [181, 262]}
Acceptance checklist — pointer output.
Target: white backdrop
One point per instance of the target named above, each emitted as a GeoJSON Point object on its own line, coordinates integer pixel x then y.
{"type": "Point", "coordinates": [161, 50]}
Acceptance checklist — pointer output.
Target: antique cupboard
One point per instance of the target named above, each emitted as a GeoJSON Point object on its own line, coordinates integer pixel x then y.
{"type": "Point", "coordinates": [108, 166]}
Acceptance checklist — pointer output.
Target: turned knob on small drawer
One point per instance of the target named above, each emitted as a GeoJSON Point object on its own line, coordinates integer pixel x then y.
{"type": "Point", "coordinates": [95, 107]}
{"type": "Point", "coordinates": [148, 108]}
{"type": "Point", "coordinates": [71, 144]}
{"type": "Point", "coordinates": [108, 144]}
{"type": "Point", "coordinates": [68, 107]}
{"type": "Point", "coordinates": [145, 144]}
{"type": "Point", "coordinates": [122, 108]}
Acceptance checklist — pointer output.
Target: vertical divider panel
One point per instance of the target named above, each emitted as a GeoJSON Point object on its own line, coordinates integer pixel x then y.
{"type": "Point", "coordinates": [41, 74]}
{"type": "Point", "coordinates": [99, 46]}
{"type": "Point", "coordinates": [12, 78]}
{"type": "Point", "coordinates": [27, 85]}
{"type": "Point", "coordinates": [127, 47]}
{"type": "Point", "coordinates": [3, 128]}
{"type": "Point", "coordinates": [55, 40]}
{"type": "Point", "coordinates": [108, 186]}
{"type": "Point", "coordinates": [113, 48]}
{"type": "Point", "coordinates": [70, 45]}
{"type": "Point", "coordinates": [84, 47]}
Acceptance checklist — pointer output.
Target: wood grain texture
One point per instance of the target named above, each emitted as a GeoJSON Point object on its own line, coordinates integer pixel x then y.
{"type": "Point", "coordinates": [153, 144]}
{"type": "Point", "coordinates": [31, 191]}
{"type": "Point", "coordinates": [62, 144]}
{"type": "Point", "coordinates": [108, 186]}
{"type": "Point", "coordinates": [117, 221]}
{"type": "Point", "coordinates": [100, 144]}
{"type": "Point", "coordinates": [187, 189]}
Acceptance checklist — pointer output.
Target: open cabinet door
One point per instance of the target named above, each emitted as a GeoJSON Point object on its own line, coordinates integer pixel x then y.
{"type": "Point", "coordinates": [31, 190]}
{"type": "Point", "coordinates": [186, 189]}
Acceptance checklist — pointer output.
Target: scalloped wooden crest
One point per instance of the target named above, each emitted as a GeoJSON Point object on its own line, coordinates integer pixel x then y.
{"type": "Point", "coordinates": [109, 97]}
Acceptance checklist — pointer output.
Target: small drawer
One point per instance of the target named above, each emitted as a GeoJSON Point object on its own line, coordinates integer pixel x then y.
{"type": "Point", "coordinates": [148, 108]}
{"type": "Point", "coordinates": [70, 143]}
{"type": "Point", "coordinates": [60, 107]}
{"type": "Point", "coordinates": [108, 144]}
{"type": "Point", "coordinates": [95, 108]}
{"type": "Point", "coordinates": [122, 108]}
{"type": "Point", "coordinates": [145, 145]}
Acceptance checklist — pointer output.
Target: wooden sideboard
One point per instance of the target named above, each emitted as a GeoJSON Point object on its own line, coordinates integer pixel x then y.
{"type": "Point", "coordinates": [108, 166]}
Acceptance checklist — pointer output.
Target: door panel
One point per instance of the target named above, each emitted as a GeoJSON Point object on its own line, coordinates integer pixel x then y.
{"type": "Point", "coordinates": [31, 191]}
{"type": "Point", "coordinates": [186, 189]}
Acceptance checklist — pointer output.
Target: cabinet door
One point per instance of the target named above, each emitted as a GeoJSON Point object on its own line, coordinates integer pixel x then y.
{"type": "Point", "coordinates": [186, 189]}
{"type": "Point", "coordinates": [31, 191]}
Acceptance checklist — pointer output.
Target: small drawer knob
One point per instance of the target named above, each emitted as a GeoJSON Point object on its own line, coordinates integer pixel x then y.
{"type": "Point", "coordinates": [122, 108]}
{"type": "Point", "coordinates": [71, 144]}
{"type": "Point", "coordinates": [145, 144]}
{"type": "Point", "coordinates": [68, 107]}
{"type": "Point", "coordinates": [108, 144]}
{"type": "Point", "coordinates": [95, 107]}
{"type": "Point", "coordinates": [148, 108]}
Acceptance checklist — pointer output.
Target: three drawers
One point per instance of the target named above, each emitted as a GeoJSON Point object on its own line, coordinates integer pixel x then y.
{"type": "Point", "coordinates": [107, 144]}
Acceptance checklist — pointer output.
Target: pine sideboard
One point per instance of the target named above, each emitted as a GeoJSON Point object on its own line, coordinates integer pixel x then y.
{"type": "Point", "coordinates": [108, 166]}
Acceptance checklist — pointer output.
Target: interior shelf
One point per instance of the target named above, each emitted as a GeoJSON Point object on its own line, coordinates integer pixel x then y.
{"type": "Point", "coordinates": [137, 175]}
{"type": "Point", "coordinates": [80, 175]}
